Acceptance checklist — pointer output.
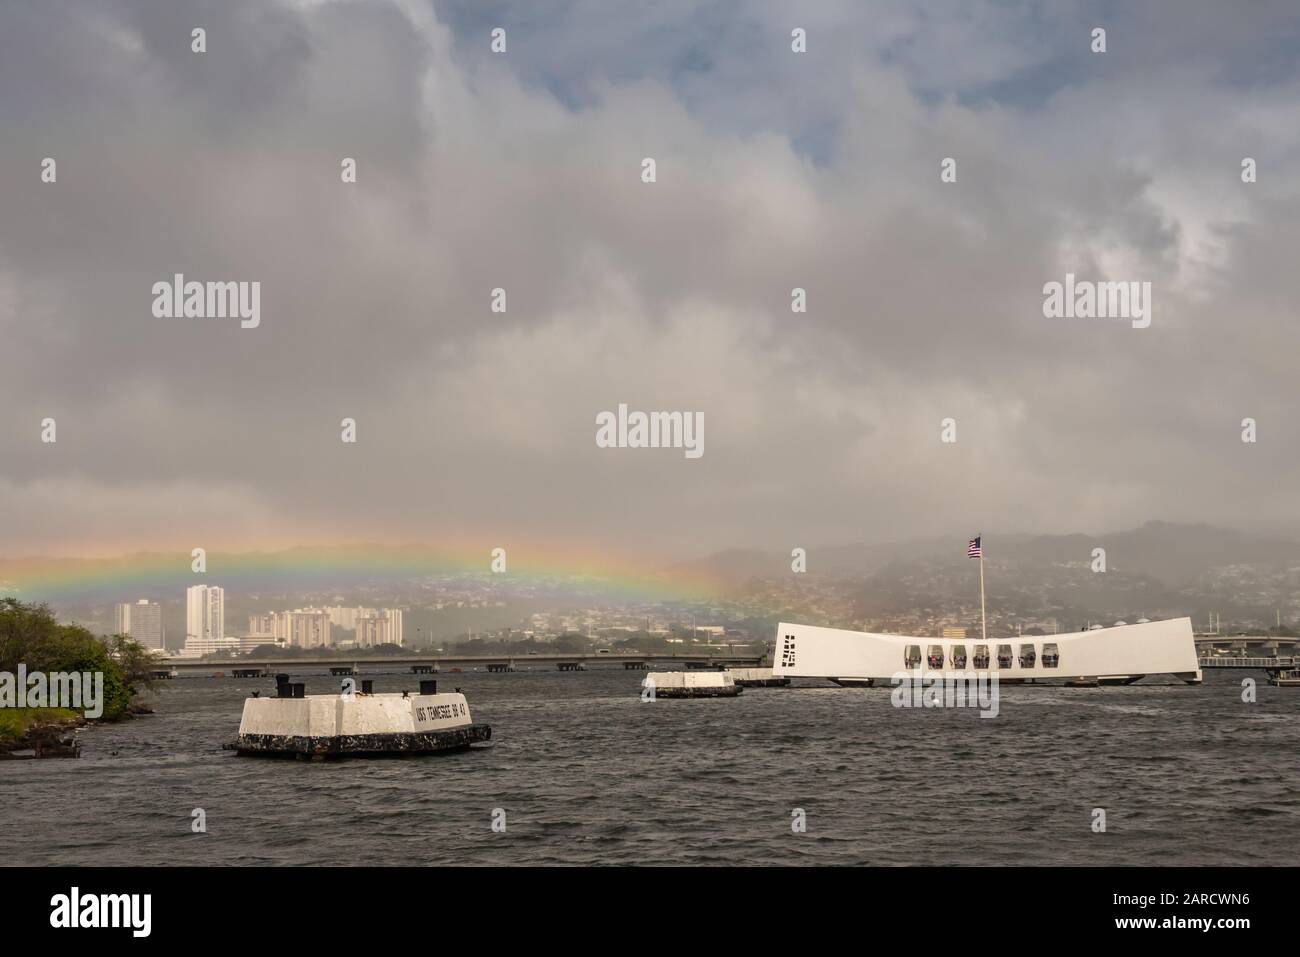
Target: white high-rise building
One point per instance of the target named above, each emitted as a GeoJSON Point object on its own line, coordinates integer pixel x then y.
{"type": "Point", "coordinates": [309, 629]}
{"type": "Point", "coordinates": [383, 627]}
{"type": "Point", "coordinates": [205, 613]}
{"type": "Point", "coordinates": [141, 621]}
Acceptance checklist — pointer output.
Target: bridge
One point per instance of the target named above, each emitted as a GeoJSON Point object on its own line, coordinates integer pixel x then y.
{"type": "Point", "coordinates": [1270, 664]}
{"type": "Point", "coordinates": [1208, 644]}
{"type": "Point", "coordinates": [434, 664]}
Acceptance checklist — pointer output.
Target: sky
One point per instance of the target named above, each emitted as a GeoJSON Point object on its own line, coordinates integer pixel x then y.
{"type": "Point", "coordinates": [522, 170]}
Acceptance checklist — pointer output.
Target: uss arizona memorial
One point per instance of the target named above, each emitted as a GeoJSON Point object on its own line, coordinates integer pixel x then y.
{"type": "Point", "coordinates": [1118, 655]}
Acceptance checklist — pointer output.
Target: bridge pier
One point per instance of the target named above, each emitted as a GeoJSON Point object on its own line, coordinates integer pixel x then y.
{"type": "Point", "coordinates": [498, 667]}
{"type": "Point", "coordinates": [424, 669]}
{"type": "Point", "coordinates": [341, 670]}
{"type": "Point", "coordinates": [571, 666]}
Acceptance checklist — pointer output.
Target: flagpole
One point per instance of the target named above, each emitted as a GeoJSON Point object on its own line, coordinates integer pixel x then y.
{"type": "Point", "coordinates": [984, 628]}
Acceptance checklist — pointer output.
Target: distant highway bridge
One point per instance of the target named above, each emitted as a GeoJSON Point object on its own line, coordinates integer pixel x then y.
{"type": "Point", "coordinates": [1238, 644]}
{"type": "Point", "coordinates": [434, 664]}
{"type": "Point", "coordinates": [1272, 664]}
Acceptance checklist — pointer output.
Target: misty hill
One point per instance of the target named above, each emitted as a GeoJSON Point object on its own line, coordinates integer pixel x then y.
{"type": "Point", "coordinates": [1177, 555]}
{"type": "Point", "coordinates": [1160, 569]}
{"type": "Point", "coordinates": [1165, 552]}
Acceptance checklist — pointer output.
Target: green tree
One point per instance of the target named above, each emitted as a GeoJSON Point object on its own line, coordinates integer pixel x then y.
{"type": "Point", "coordinates": [32, 636]}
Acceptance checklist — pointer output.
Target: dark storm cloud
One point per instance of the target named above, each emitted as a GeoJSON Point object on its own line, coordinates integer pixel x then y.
{"type": "Point", "coordinates": [522, 171]}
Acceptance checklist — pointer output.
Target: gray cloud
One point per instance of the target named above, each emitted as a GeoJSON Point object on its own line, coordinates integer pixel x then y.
{"type": "Point", "coordinates": [522, 171]}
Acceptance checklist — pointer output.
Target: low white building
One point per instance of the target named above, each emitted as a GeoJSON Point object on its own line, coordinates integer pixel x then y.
{"type": "Point", "coordinates": [1122, 653]}
{"type": "Point", "coordinates": [198, 647]}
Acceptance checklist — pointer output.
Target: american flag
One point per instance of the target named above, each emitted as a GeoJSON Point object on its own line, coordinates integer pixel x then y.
{"type": "Point", "coordinates": [973, 549]}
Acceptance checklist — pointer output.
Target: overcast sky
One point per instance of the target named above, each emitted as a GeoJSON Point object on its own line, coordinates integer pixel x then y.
{"type": "Point", "coordinates": [522, 170]}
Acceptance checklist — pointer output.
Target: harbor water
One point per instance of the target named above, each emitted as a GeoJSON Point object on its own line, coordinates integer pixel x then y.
{"type": "Point", "coordinates": [580, 770]}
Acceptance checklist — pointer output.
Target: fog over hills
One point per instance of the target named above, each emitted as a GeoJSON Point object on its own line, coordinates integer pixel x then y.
{"type": "Point", "coordinates": [1170, 553]}
{"type": "Point", "coordinates": [1160, 569]}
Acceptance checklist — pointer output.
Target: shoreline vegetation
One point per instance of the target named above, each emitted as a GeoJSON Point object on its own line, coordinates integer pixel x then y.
{"type": "Point", "coordinates": [30, 635]}
{"type": "Point", "coordinates": [41, 731]}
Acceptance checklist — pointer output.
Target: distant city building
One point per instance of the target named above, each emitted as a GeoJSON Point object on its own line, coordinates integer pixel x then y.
{"type": "Point", "coordinates": [382, 627]}
{"type": "Point", "coordinates": [266, 625]}
{"type": "Point", "coordinates": [341, 617]}
{"type": "Point", "coordinates": [249, 642]}
{"type": "Point", "coordinates": [122, 618]}
{"type": "Point", "coordinates": [952, 632]}
{"type": "Point", "coordinates": [142, 621]}
{"type": "Point", "coordinates": [304, 627]}
{"type": "Point", "coordinates": [198, 647]}
{"type": "Point", "coordinates": [309, 629]}
{"type": "Point", "coordinates": [205, 613]}
{"type": "Point", "coordinates": [313, 627]}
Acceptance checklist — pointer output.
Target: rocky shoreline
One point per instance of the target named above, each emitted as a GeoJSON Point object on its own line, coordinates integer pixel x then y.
{"type": "Point", "coordinates": [45, 738]}
{"type": "Point", "coordinates": [49, 737]}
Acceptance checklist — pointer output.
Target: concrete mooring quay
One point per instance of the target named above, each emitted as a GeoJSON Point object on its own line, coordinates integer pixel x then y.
{"type": "Point", "coordinates": [691, 684]}
{"type": "Point", "coordinates": [360, 724]}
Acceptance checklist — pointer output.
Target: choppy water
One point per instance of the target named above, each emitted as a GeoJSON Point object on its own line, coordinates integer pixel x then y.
{"type": "Point", "coordinates": [588, 773]}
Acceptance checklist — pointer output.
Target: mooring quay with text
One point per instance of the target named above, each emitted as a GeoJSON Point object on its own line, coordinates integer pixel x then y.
{"type": "Point", "coordinates": [434, 664]}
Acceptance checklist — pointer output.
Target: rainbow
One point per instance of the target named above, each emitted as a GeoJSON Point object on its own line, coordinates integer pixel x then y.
{"type": "Point", "coordinates": [149, 574]}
